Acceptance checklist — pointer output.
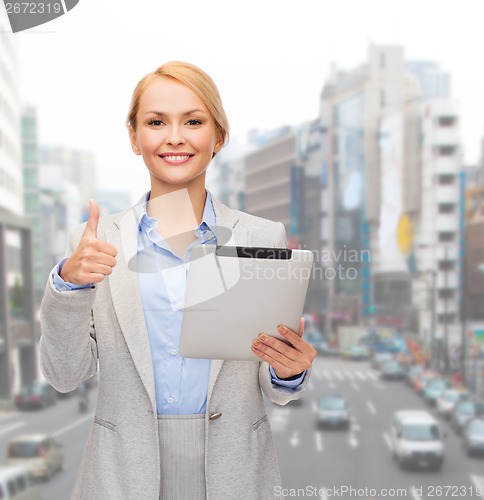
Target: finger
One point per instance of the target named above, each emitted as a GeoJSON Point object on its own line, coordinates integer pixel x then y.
{"type": "Point", "coordinates": [267, 357]}
{"type": "Point", "coordinates": [301, 326]}
{"type": "Point", "coordinates": [100, 269]}
{"type": "Point", "coordinates": [105, 247]}
{"type": "Point", "coordinates": [95, 277]}
{"type": "Point", "coordinates": [272, 345]}
{"type": "Point", "coordinates": [93, 220]}
{"type": "Point", "coordinates": [292, 337]}
{"type": "Point", "coordinates": [105, 259]}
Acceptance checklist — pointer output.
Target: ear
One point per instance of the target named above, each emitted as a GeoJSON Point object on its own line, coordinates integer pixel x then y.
{"type": "Point", "coordinates": [133, 139]}
{"type": "Point", "coordinates": [218, 145]}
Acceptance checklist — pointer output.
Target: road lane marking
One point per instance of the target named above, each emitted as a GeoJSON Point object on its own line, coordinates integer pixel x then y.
{"type": "Point", "coordinates": [349, 375]}
{"type": "Point", "coordinates": [327, 374]}
{"type": "Point", "coordinates": [294, 441]}
{"type": "Point", "coordinates": [339, 375]}
{"type": "Point", "coordinates": [353, 441]}
{"type": "Point", "coordinates": [73, 424]}
{"type": "Point", "coordinates": [371, 407]}
{"type": "Point", "coordinates": [355, 386]}
{"type": "Point", "coordinates": [319, 441]}
{"type": "Point", "coordinates": [372, 375]}
{"type": "Point", "coordinates": [361, 375]}
{"type": "Point", "coordinates": [318, 375]}
{"type": "Point", "coordinates": [386, 437]}
{"type": "Point", "coordinates": [8, 416]}
{"type": "Point", "coordinates": [11, 427]}
{"type": "Point", "coordinates": [478, 482]}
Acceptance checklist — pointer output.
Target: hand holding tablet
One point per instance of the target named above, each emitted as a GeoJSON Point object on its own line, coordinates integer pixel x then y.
{"type": "Point", "coordinates": [287, 360]}
{"type": "Point", "coordinates": [235, 293]}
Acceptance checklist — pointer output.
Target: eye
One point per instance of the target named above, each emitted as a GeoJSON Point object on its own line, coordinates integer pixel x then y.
{"type": "Point", "coordinates": [155, 121]}
{"type": "Point", "coordinates": [194, 121]}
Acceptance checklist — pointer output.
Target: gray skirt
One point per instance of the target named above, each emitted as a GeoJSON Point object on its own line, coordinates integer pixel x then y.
{"type": "Point", "coordinates": [182, 457]}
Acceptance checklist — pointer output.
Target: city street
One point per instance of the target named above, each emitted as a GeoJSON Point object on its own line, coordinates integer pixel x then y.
{"type": "Point", "coordinates": [69, 427]}
{"type": "Point", "coordinates": [317, 462]}
{"type": "Point", "coordinates": [360, 457]}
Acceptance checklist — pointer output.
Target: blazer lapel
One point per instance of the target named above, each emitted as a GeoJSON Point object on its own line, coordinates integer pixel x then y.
{"type": "Point", "coordinates": [127, 297]}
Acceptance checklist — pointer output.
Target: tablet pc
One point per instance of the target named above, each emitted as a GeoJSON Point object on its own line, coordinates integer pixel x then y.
{"type": "Point", "coordinates": [234, 293]}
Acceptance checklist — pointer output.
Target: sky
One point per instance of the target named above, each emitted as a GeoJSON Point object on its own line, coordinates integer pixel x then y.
{"type": "Point", "coordinates": [268, 58]}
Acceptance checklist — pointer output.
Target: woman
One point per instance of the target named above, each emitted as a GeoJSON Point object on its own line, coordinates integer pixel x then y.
{"type": "Point", "coordinates": [165, 426]}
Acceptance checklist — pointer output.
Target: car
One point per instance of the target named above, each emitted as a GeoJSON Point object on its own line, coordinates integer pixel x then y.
{"type": "Point", "coordinates": [447, 400]}
{"type": "Point", "coordinates": [473, 436]}
{"type": "Point", "coordinates": [463, 411]}
{"type": "Point", "coordinates": [412, 372]}
{"type": "Point", "coordinates": [434, 388]}
{"type": "Point", "coordinates": [416, 439]}
{"type": "Point", "coordinates": [36, 395]}
{"type": "Point", "coordinates": [41, 453]}
{"type": "Point", "coordinates": [379, 358]}
{"type": "Point", "coordinates": [17, 483]}
{"type": "Point", "coordinates": [391, 370]}
{"type": "Point", "coordinates": [333, 411]}
{"type": "Point", "coordinates": [421, 379]}
{"type": "Point", "coordinates": [355, 353]}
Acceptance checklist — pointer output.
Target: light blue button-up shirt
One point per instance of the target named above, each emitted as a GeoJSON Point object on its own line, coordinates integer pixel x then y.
{"type": "Point", "coordinates": [181, 384]}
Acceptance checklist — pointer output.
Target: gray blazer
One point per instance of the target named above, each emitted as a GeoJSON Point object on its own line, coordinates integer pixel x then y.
{"type": "Point", "coordinates": [105, 326]}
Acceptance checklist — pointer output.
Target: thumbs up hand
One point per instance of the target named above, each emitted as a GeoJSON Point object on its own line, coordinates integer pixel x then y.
{"type": "Point", "coordinates": [93, 259]}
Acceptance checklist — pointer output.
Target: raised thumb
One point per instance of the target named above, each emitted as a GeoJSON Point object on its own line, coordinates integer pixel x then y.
{"type": "Point", "coordinates": [93, 220]}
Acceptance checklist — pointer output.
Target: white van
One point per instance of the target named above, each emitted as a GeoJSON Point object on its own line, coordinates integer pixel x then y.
{"type": "Point", "coordinates": [17, 483]}
{"type": "Point", "coordinates": [416, 439]}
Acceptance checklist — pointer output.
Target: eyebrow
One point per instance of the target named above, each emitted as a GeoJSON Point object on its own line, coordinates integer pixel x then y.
{"type": "Point", "coordinates": [187, 113]}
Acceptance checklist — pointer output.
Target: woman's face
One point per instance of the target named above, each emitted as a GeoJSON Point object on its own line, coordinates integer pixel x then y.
{"type": "Point", "coordinates": [176, 135]}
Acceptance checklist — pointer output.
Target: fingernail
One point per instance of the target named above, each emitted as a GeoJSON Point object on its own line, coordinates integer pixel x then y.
{"type": "Point", "coordinates": [282, 329]}
{"type": "Point", "coordinates": [262, 336]}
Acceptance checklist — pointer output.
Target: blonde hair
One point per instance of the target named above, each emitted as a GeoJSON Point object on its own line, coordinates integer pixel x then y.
{"type": "Point", "coordinates": [196, 80]}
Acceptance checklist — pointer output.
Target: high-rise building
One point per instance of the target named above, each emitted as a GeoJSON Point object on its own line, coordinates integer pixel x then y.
{"type": "Point", "coordinates": [394, 160]}
{"type": "Point", "coordinates": [18, 329]}
{"type": "Point", "coordinates": [353, 105]}
{"type": "Point", "coordinates": [439, 222]}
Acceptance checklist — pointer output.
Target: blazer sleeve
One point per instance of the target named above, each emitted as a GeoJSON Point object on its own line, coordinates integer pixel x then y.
{"type": "Point", "coordinates": [68, 347]}
{"type": "Point", "coordinates": [276, 393]}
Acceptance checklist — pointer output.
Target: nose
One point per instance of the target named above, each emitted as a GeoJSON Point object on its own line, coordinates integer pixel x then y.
{"type": "Point", "coordinates": [174, 136]}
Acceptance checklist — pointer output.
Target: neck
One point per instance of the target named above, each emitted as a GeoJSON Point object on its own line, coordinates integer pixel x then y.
{"type": "Point", "coordinates": [177, 210]}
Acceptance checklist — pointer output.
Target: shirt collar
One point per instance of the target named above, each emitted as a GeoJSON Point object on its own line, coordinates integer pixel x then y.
{"type": "Point", "coordinates": [206, 230]}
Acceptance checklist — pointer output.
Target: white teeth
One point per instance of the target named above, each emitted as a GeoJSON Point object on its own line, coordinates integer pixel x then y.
{"type": "Point", "coordinates": [176, 158]}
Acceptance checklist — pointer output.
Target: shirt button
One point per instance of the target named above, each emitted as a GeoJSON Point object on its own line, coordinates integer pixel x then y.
{"type": "Point", "coordinates": [170, 400]}
{"type": "Point", "coordinates": [173, 351]}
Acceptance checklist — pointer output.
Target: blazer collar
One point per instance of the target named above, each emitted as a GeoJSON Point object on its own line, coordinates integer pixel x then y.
{"type": "Point", "coordinates": [127, 297]}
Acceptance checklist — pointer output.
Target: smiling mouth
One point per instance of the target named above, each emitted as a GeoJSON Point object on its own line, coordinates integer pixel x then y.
{"type": "Point", "coordinates": [175, 158]}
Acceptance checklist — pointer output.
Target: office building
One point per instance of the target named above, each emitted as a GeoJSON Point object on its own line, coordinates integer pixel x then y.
{"type": "Point", "coordinates": [18, 328]}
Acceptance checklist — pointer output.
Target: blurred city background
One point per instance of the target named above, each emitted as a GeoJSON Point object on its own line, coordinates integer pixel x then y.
{"type": "Point", "coordinates": [377, 185]}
